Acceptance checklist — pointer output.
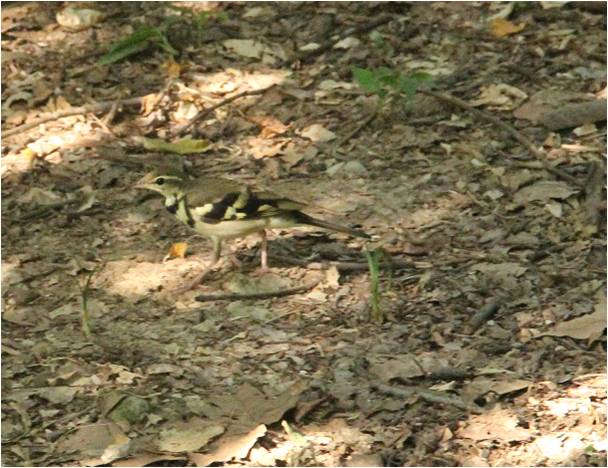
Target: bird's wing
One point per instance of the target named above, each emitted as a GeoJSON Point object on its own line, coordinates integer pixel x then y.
{"type": "Point", "coordinates": [219, 200]}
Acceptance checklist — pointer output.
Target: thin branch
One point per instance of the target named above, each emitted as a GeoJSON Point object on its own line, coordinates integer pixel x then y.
{"type": "Point", "coordinates": [393, 264]}
{"type": "Point", "coordinates": [204, 113]}
{"type": "Point", "coordinates": [254, 296]}
{"type": "Point", "coordinates": [510, 129]}
{"type": "Point", "coordinates": [484, 314]}
{"type": "Point", "coordinates": [427, 395]}
{"type": "Point", "coordinates": [86, 109]}
{"type": "Point", "coordinates": [369, 119]}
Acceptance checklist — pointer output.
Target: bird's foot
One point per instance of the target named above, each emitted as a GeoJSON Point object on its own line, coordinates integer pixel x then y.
{"type": "Point", "coordinates": [261, 271]}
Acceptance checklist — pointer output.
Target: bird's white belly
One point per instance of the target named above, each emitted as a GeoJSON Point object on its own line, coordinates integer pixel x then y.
{"type": "Point", "coordinates": [231, 229]}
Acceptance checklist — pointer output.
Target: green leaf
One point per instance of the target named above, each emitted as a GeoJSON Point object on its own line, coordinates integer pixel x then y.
{"type": "Point", "coordinates": [164, 44]}
{"type": "Point", "coordinates": [182, 146]}
{"type": "Point", "coordinates": [374, 273]}
{"type": "Point", "coordinates": [132, 44]}
{"type": "Point", "coordinates": [408, 86]}
{"type": "Point", "coordinates": [367, 79]}
{"type": "Point", "coordinates": [117, 55]}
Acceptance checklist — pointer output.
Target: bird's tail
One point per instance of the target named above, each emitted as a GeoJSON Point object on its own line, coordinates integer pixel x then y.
{"type": "Point", "coordinates": [302, 218]}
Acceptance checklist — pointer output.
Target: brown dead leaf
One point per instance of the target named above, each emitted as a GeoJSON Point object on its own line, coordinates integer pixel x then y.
{"type": "Point", "coordinates": [500, 96]}
{"type": "Point", "coordinates": [172, 69]}
{"type": "Point", "coordinates": [543, 191]}
{"type": "Point", "coordinates": [92, 440]}
{"type": "Point", "coordinates": [497, 424]}
{"type": "Point", "coordinates": [271, 126]}
{"type": "Point", "coordinates": [318, 133]}
{"type": "Point", "coordinates": [265, 148]}
{"type": "Point", "coordinates": [177, 250]}
{"type": "Point", "coordinates": [587, 327]}
{"type": "Point", "coordinates": [251, 407]}
{"type": "Point", "coordinates": [148, 103]}
{"type": "Point", "coordinates": [332, 277]}
{"type": "Point", "coordinates": [406, 366]}
{"type": "Point", "coordinates": [500, 27]}
{"type": "Point", "coordinates": [229, 447]}
{"type": "Point", "coordinates": [188, 436]}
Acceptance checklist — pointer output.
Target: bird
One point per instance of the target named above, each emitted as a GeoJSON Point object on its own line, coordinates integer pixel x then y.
{"type": "Point", "coordinates": [223, 209]}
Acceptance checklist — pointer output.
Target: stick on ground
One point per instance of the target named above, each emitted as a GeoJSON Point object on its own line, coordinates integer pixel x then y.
{"type": "Point", "coordinates": [86, 109]}
{"type": "Point", "coordinates": [205, 112]}
{"type": "Point", "coordinates": [510, 129]}
{"type": "Point", "coordinates": [256, 296]}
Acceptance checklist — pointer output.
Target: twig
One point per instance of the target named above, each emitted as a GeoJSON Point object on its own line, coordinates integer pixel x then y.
{"type": "Point", "coordinates": [204, 113]}
{"type": "Point", "coordinates": [86, 109]}
{"type": "Point", "coordinates": [594, 188]}
{"type": "Point", "coordinates": [510, 129]}
{"type": "Point", "coordinates": [263, 295]}
{"type": "Point", "coordinates": [84, 315]}
{"type": "Point", "coordinates": [450, 373]}
{"type": "Point", "coordinates": [427, 395]}
{"type": "Point", "coordinates": [358, 30]}
{"type": "Point", "coordinates": [484, 314]}
{"type": "Point", "coordinates": [279, 317]}
{"type": "Point", "coordinates": [573, 115]}
{"type": "Point", "coordinates": [394, 264]}
{"type": "Point", "coordinates": [369, 119]}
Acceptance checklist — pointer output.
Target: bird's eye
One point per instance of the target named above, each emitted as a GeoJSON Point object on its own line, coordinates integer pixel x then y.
{"type": "Point", "coordinates": [159, 181]}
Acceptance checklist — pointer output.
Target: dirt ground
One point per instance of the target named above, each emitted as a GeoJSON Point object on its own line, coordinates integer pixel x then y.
{"type": "Point", "coordinates": [491, 349]}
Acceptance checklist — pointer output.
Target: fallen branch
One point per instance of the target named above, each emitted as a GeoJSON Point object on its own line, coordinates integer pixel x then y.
{"type": "Point", "coordinates": [430, 396]}
{"type": "Point", "coordinates": [204, 113]}
{"type": "Point", "coordinates": [595, 201]}
{"type": "Point", "coordinates": [86, 109]}
{"type": "Point", "coordinates": [510, 129]}
{"type": "Point", "coordinates": [573, 115]}
{"type": "Point", "coordinates": [394, 264]}
{"type": "Point", "coordinates": [255, 296]}
{"type": "Point", "coordinates": [369, 119]}
{"type": "Point", "coordinates": [483, 315]}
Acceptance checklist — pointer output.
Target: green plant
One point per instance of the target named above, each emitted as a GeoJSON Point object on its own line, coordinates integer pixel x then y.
{"type": "Point", "coordinates": [165, 36]}
{"type": "Point", "coordinates": [385, 82]}
{"type": "Point", "coordinates": [140, 40]}
{"type": "Point", "coordinates": [373, 261]}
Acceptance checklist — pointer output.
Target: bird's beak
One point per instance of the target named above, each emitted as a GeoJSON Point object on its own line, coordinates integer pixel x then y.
{"type": "Point", "coordinates": [145, 182]}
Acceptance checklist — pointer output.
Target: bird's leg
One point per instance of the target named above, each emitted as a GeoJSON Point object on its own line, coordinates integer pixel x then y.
{"type": "Point", "coordinates": [217, 250]}
{"type": "Point", "coordinates": [263, 256]}
{"type": "Point", "coordinates": [263, 252]}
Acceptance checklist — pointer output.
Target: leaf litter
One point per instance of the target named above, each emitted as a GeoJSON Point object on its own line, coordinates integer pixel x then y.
{"type": "Point", "coordinates": [458, 202]}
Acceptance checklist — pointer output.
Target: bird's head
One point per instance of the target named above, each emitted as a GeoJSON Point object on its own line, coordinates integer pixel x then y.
{"type": "Point", "coordinates": [166, 184]}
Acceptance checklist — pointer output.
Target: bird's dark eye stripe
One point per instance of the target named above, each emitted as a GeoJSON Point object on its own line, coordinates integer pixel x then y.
{"type": "Point", "coordinates": [160, 180]}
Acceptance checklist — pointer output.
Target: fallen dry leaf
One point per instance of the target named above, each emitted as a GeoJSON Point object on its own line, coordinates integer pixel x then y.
{"type": "Point", "coordinates": [500, 27]}
{"type": "Point", "coordinates": [177, 250]}
{"type": "Point", "coordinates": [587, 327]}
{"type": "Point", "coordinates": [76, 19]}
{"type": "Point", "coordinates": [188, 436]}
{"type": "Point", "coordinates": [500, 96]}
{"type": "Point", "coordinates": [92, 440]}
{"type": "Point", "coordinates": [544, 190]}
{"type": "Point", "coordinates": [264, 148]}
{"type": "Point", "coordinates": [318, 133]}
{"type": "Point", "coordinates": [497, 424]}
{"type": "Point", "coordinates": [229, 447]}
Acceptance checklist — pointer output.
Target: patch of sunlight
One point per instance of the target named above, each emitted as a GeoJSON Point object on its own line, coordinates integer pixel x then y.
{"type": "Point", "coordinates": [235, 80]}
{"type": "Point", "coordinates": [133, 279]}
{"type": "Point", "coordinates": [55, 147]}
{"type": "Point", "coordinates": [10, 273]}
